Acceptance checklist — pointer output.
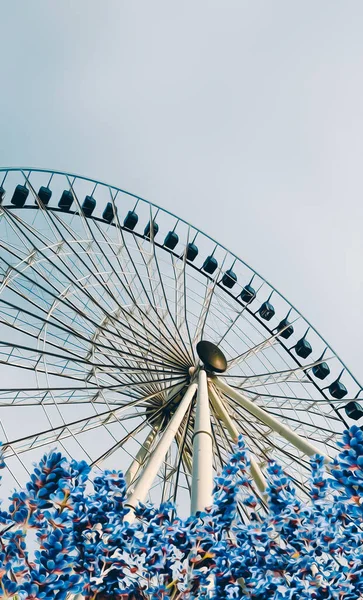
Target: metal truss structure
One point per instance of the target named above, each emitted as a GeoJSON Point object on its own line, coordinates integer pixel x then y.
{"type": "Point", "coordinates": [104, 298]}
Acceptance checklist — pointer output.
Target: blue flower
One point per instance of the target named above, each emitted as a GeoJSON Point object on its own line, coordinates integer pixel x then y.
{"type": "Point", "coordinates": [297, 550]}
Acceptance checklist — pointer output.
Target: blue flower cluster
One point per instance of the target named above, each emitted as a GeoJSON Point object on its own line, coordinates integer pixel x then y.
{"type": "Point", "coordinates": [241, 547]}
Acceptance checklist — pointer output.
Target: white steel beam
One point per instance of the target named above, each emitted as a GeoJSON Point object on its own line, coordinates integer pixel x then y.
{"type": "Point", "coordinates": [145, 448]}
{"type": "Point", "coordinates": [221, 412]}
{"type": "Point", "coordinates": [156, 459]}
{"type": "Point", "coordinates": [202, 471]}
{"type": "Point", "coordinates": [139, 458]}
{"type": "Point", "coordinates": [291, 436]}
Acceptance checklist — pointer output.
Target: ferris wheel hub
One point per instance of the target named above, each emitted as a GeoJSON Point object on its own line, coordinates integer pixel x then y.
{"type": "Point", "coordinates": [211, 356]}
{"type": "Point", "coordinates": [163, 409]}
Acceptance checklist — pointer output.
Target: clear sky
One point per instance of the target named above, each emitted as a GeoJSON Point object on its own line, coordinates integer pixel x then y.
{"type": "Point", "coordinates": [244, 117]}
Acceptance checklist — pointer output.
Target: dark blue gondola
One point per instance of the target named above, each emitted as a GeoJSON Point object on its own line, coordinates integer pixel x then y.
{"type": "Point", "coordinates": [19, 196]}
{"type": "Point", "coordinates": [108, 213]}
{"type": "Point", "coordinates": [147, 230]}
{"type": "Point", "coordinates": [303, 348]}
{"type": "Point", "coordinates": [88, 206]}
{"type": "Point", "coordinates": [191, 251]}
{"type": "Point", "coordinates": [66, 200]}
{"type": "Point", "coordinates": [248, 294]}
{"type": "Point", "coordinates": [210, 264]}
{"type": "Point", "coordinates": [131, 220]}
{"type": "Point", "coordinates": [321, 371]}
{"type": "Point", "coordinates": [44, 195]}
{"type": "Point", "coordinates": [354, 410]}
{"type": "Point", "coordinates": [171, 240]}
{"type": "Point", "coordinates": [229, 279]}
{"type": "Point", "coordinates": [266, 311]}
{"type": "Point", "coordinates": [285, 328]}
{"type": "Point", "coordinates": [2, 194]}
{"type": "Point", "coordinates": [338, 390]}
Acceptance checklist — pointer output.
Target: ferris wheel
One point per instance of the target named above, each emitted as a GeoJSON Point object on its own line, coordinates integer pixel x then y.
{"type": "Point", "coordinates": [133, 340]}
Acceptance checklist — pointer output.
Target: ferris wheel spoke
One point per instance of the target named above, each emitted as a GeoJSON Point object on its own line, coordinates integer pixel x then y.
{"type": "Point", "coordinates": [73, 332]}
{"type": "Point", "coordinates": [166, 337]}
{"type": "Point", "coordinates": [30, 265]}
{"type": "Point", "coordinates": [298, 399]}
{"type": "Point", "coordinates": [181, 316]}
{"type": "Point", "coordinates": [286, 406]}
{"type": "Point", "coordinates": [56, 222]}
{"type": "Point", "coordinates": [305, 368]}
{"type": "Point", "coordinates": [52, 291]}
{"type": "Point", "coordinates": [129, 435]}
{"type": "Point", "coordinates": [269, 341]}
{"type": "Point", "coordinates": [230, 327]}
{"type": "Point", "coordinates": [297, 409]}
{"type": "Point", "coordinates": [62, 361]}
{"type": "Point", "coordinates": [76, 395]}
{"type": "Point", "coordinates": [110, 243]}
{"type": "Point", "coordinates": [265, 379]}
{"type": "Point", "coordinates": [49, 436]}
{"type": "Point", "coordinates": [154, 302]}
{"type": "Point", "coordinates": [70, 331]}
{"type": "Point", "coordinates": [53, 395]}
{"type": "Point", "coordinates": [126, 285]}
{"type": "Point", "coordinates": [76, 284]}
{"type": "Point", "coordinates": [129, 317]}
{"type": "Point", "coordinates": [204, 312]}
{"type": "Point", "coordinates": [313, 428]}
{"type": "Point", "coordinates": [175, 326]}
{"type": "Point", "coordinates": [292, 370]}
{"type": "Point", "coordinates": [32, 363]}
{"type": "Point", "coordinates": [15, 322]}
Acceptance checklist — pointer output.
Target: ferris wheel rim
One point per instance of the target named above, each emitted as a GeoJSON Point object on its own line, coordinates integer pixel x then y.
{"type": "Point", "coordinates": [216, 281]}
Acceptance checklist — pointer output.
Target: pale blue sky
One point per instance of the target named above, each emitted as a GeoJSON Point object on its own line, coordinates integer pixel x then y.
{"type": "Point", "coordinates": [246, 118]}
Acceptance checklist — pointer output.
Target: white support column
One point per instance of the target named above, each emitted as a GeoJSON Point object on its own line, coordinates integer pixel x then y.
{"type": "Point", "coordinates": [222, 414]}
{"type": "Point", "coordinates": [202, 471]}
{"type": "Point", "coordinates": [291, 436]}
{"type": "Point", "coordinates": [156, 459]}
{"type": "Point", "coordinates": [257, 475]}
{"type": "Point", "coordinates": [139, 458]}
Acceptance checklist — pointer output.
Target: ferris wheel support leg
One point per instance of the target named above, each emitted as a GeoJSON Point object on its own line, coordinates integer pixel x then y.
{"type": "Point", "coordinates": [222, 413]}
{"type": "Point", "coordinates": [291, 436]}
{"type": "Point", "coordinates": [202, 471]}
{"type": "Point", "coordinates": [139, 458]}
{"type": "Point", "coordinates": [155, 461]}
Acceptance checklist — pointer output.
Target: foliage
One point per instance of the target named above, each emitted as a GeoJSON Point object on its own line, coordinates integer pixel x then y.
{"type": "Point", "coordinates": [294, 551]}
